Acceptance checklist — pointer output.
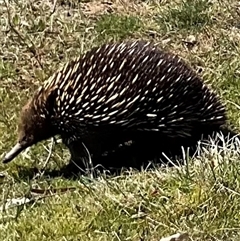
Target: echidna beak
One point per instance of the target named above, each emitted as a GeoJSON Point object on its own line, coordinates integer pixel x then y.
{"type": "Point", "coordinates": [13, 153]}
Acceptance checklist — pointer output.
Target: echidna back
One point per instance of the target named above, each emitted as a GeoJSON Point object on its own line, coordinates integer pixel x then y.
{"type": "Point", "coordinates": [132, 86]}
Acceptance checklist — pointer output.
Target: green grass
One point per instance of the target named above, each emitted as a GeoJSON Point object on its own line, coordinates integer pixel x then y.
{"type": "Point", "coordinates": [200, 198]}
{"type": "Point", "coordinates": [115, 27]}
{"type": "Point", "coordinates": [187, 14]}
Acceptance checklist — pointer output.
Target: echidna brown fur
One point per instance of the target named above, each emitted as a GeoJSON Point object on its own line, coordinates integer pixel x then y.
{"type": "Point", "coordinates": [119, 92]}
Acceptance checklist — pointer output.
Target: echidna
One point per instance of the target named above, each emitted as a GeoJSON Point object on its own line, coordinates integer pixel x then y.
{"type": "Point", "coordinates": [119, 92]}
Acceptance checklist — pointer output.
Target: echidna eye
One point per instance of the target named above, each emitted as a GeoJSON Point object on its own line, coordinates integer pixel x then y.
{"type": "Point", "coordinates": [22, 139]}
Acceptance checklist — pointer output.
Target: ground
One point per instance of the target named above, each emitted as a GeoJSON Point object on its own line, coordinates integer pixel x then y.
{"type": "Point", "coordinates": [202, 198]}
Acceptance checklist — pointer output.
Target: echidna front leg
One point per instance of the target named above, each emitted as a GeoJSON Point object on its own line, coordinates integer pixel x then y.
{"type": "Point", "coordinates": [79, 158]}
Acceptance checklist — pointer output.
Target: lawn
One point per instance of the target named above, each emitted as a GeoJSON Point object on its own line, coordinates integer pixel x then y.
{"type": "Point", "coordinates": [201, 198]}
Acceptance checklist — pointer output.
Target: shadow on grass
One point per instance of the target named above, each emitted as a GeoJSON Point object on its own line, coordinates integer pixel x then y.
{"type": "Point", "coordinates": [108, 166]}
{"type": "Point", "coordinates": [141, 156]}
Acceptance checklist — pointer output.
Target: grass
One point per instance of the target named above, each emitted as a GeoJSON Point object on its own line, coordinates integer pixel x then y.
{"type": "Point", "coordinates": [200, 198]}
{"type": "Point", "coordinates": [188, 14]}
{"type": "Point", "coordinates": [117, 27]}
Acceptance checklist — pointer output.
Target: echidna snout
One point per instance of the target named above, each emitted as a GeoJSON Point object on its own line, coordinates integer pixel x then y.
{"type": "Point", "coordinates": [32, 128]}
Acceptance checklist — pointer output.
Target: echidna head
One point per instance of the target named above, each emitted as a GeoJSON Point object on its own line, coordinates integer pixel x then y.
{"type": "Point", "coordinates": [32, 128]}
